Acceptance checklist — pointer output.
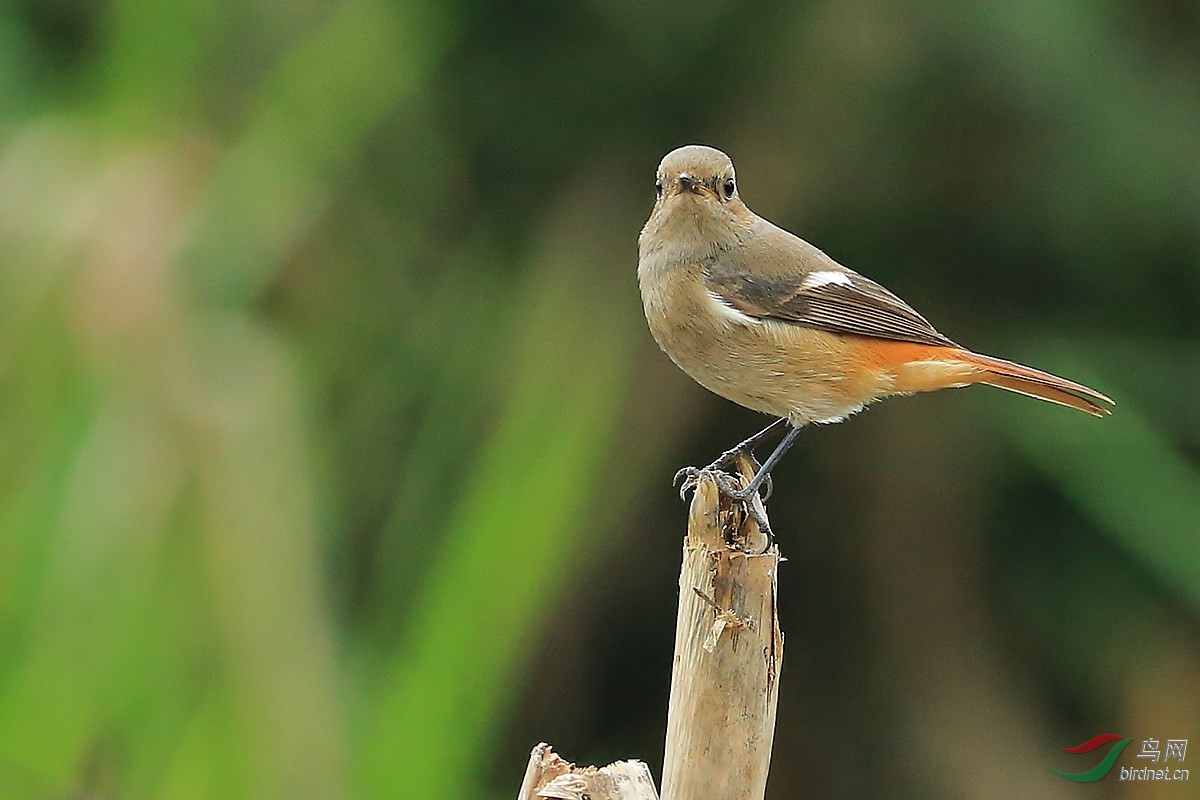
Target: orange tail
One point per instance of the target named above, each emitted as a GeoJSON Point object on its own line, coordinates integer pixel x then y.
{"type": "Point", "coordinates": [1035, 383]}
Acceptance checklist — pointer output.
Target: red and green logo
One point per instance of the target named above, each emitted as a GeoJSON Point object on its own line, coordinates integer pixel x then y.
{"type": "Point", "coordinates": [1100, 770]}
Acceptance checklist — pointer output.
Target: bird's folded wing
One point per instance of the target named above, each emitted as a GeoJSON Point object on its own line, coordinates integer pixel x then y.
{"type": "Point", "coordinates": [841, 301]}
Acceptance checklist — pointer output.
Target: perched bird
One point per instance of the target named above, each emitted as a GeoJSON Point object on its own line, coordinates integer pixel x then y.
{"type": "Point", "coordinates": [765, 319]}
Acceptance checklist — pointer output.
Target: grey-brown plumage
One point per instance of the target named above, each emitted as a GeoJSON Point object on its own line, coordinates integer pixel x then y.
{"type": "Point", "coordinates": [767, 320]}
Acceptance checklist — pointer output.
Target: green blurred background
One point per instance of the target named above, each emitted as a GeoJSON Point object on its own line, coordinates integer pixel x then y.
{"type": "Point", "coordinates": [336, 454]}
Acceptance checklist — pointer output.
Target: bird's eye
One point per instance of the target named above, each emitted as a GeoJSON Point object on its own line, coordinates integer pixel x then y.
{"type": "Point", "coordinates": [658, 188]}
{"type": "Point", "coordinates": [728, 188]}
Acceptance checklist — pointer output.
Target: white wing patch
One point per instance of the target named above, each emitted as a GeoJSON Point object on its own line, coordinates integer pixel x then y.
{"type": "Point", "coordinates": [824, 277]}
{"type": "Point", "coordinates": [728, 312]}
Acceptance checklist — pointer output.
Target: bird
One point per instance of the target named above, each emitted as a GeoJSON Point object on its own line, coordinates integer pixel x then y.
{"type": "Point", "coordinates": [761, 317]}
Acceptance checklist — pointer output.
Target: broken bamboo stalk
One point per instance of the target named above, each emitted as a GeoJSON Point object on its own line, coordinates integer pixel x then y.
{"type": "Point", "coordinates": [725, 682]}
{"type": "Point", "coordinates": [549, 777]}
{"type": "Point", "coordinates": [728, 651]}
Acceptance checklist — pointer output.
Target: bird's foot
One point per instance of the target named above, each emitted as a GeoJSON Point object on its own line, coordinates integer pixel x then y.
{"type": "Point", "coordinates": [687, 477]}
{"type": "Point", "coordinates": [728, 486]}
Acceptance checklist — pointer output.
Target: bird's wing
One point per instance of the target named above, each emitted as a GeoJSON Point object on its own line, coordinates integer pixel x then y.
{"type": "Point", "coordinates": [833, 299]}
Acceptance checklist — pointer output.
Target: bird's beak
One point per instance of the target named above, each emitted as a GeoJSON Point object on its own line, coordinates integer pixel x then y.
{"type": "Point", "coordinates": [687, 183]}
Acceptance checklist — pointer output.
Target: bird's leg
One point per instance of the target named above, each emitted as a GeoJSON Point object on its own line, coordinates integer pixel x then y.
{"type": "Point", "coordinates": [746, 446]}
{"type": "Point", "coordinates": [728, 485]}
{"type": "Point", "coordinates": [690, 474]}
{"type": "Point", "coordinates": [764, 472]}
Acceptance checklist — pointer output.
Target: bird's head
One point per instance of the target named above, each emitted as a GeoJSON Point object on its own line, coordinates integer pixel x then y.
{"type": "Point", "coordinates": [697, 208]}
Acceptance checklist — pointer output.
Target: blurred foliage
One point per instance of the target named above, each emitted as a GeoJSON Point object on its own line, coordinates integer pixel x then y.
{"type": "Point", "coordinates": [337, 454]}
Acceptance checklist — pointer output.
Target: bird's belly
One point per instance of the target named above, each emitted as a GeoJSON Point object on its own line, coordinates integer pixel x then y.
{"type": "Point", "coordinates": [802, 374]}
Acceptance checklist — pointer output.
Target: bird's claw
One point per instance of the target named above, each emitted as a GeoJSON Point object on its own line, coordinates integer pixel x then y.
{"type": "Point", "coordinates": [686, 479]}
{"type": "Point", "coordinates": [727, 485]}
